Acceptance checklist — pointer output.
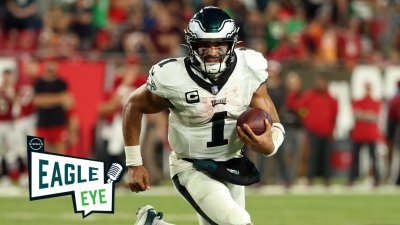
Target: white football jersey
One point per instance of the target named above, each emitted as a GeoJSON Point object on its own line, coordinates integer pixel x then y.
{"type": "Point", "coordinates": [202, 122]}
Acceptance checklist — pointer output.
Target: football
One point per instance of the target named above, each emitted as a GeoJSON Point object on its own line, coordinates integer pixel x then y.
{"type": "Point", "coordinates": [254, 118]}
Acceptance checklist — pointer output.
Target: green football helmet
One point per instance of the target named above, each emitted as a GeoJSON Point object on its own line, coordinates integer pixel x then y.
{"type": "Point", "coordinates": [211, 24]}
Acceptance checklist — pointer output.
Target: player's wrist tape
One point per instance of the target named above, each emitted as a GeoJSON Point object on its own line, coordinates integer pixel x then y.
{"type": "Point", "coordinates": [133, 156]}
{"type": "Point", "coordinates": [278, 134]}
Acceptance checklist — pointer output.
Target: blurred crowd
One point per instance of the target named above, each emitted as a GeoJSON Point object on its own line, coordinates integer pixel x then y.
{"type": "Point", "coordinates": [322, 34]}
{"type": "Point", "coordinates": [332, 32]}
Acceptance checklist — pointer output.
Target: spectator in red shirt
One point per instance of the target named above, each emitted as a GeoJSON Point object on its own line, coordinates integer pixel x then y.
{"type": "Point", "coordinates": [393, 127]}
{"type": "Point", "coordinates": [365, 132]}
{"type": "Point", "coordinates": [318, 110]}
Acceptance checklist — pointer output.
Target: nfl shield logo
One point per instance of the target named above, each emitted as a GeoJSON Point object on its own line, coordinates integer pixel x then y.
{"type": "Point", "coordinates": [214, 89]}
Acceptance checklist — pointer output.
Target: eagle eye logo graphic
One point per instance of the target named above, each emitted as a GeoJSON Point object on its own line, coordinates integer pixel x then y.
{"type": "Point", "coordinates": [52, 175]}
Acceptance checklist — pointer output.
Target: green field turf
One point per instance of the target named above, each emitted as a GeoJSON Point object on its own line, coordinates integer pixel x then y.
{"type": "Point", "coordinates": [320, 209]}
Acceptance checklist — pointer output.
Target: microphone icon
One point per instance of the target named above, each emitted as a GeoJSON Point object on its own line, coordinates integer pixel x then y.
{"type": "Point", "coordinates": [114, 172]}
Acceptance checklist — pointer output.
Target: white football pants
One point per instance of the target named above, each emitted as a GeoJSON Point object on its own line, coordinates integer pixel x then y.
{"type": "Point", "coordinates": [216, 202]}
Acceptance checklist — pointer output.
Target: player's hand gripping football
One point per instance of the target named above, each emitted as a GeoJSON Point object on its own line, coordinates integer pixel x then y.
{"type": "Point", "coordinates": [260, 143]}
{"type": "Point", "coordinates": [138, 178]}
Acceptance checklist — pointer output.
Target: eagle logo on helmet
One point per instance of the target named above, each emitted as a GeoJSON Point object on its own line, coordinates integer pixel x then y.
{"type": "Point", "coordinates": [211, 24]}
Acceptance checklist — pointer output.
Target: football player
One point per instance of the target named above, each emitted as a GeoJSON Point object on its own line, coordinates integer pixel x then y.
{"type": "Point", "coordinates": [8, 155]}
{"type": "Point", "coordinates": [205, 94]}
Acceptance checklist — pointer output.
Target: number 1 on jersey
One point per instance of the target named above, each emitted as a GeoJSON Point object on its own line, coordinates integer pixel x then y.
{"type": "Point", "coordinates": [217, 133]}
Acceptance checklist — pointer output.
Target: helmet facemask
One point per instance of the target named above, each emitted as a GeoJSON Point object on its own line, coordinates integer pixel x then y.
{"type": "Point", "coordinates": [214, 30]}
{"type": "Point", "coordinates": [212, 57]}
